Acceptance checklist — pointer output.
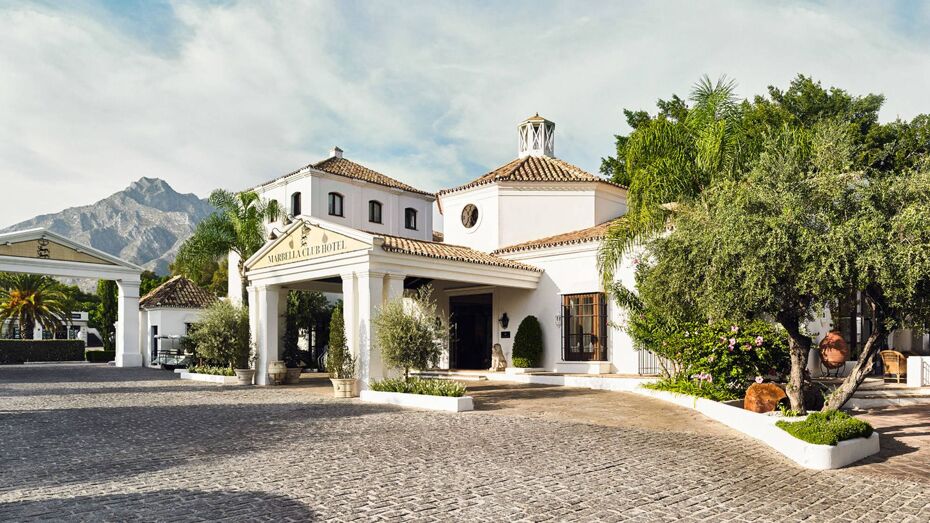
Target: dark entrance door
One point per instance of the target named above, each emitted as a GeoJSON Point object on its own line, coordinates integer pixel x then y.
{"type": "Point", "coordinates": [471, 331]}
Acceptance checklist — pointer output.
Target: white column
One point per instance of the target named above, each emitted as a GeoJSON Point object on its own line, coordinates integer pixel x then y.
{"type": "Point", "coordinates": [233, 280]}
{"type": "Point", "coordinates": [254, 321]}
{"type": "Point", "coordinates": [393, 286]}
{"type": "Point", "coordinates": [268, 334]}
{"type": "Point", "coordinates": [128, 351]}
{"type": "Point", "coordinates": [370, 298]}
{"type": "Point", "coordinates": [349, 312]}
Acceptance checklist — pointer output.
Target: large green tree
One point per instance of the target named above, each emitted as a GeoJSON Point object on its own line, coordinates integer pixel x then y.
{"type": "Point", "coordinates": [103, 317]}
{"type": "Point", "coordinates": [27, 300]}
{"type": "Point", "coordinates": [236, 226]}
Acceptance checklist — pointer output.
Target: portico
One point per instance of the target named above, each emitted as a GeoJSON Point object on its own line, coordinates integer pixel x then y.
{"type": "Point", "coordinates": [367, 269]}
{"type": "Point", "coordinates": [40, 251]}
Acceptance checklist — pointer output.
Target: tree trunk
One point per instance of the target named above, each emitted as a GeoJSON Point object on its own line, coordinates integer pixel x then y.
{"type": "Point", "coordinates": [243, 283]}
{"type": "Point", "coordinates": [799, 347]}
{"type": "Point", "coordinates": [27, 330]}
{"type": "Point", "coordinates": [841, 395]}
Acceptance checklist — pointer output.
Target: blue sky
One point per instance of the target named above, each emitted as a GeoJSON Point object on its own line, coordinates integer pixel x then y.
{"type": "Point", "coordinates": [95, 94]}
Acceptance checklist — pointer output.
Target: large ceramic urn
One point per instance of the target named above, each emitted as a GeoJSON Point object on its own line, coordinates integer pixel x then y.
{"type": "Point", "coordinates": [277, 371]}
{"type": "Point", "coordinates": [834, 351]}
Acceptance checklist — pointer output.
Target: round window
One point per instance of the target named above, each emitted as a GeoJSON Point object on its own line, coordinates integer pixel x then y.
{"type": "Point", "coordinates": [469, 216]}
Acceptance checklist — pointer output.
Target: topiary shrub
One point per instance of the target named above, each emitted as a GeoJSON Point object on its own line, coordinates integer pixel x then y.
{"type": "Point", "coordinates": [339, 361]}
{"type": "Point", "coordinates": [22, 351]}
{"type": "Point", "coordinates": [528, 344]}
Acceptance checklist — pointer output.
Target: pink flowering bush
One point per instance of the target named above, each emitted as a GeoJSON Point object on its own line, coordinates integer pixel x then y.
{"type": "Point", "coordinates": [724, 355]}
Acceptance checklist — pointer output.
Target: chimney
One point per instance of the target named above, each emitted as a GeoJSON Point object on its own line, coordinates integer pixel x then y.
{"type": "Point", "coordinates": [336, 152]}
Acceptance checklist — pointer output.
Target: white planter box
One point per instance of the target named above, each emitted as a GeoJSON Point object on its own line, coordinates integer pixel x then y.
{"type": "Point", "coordinates": [762, 427]}
{"type": "Point", "coordinates": [209, 378]}
{"type": "Point", "coordinates": [419, 401]}
{"type": "Point", "coordinates": [523, 370]}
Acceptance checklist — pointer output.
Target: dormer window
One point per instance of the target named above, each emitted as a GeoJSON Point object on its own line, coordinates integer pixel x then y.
{"type": "Point", "coordinates": [335, 204]}
{"type": "Point", "coordinates": [410, 218]}
{"type": "Point", "coordinates": [295, 204]}
{"type": "Point", "coordinates": [374, 211]}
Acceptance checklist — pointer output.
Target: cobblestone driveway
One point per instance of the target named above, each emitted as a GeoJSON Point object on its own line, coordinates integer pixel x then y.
{"type": "Point", "coordinates": [99, 443]}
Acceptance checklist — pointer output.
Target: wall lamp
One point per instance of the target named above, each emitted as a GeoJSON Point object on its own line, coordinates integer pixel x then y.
{"type": "Point", "coordinates": [504, 320]}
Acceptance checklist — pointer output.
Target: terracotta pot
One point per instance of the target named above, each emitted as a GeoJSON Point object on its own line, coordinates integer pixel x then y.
{"type": "Point", "coordinates": [834, 351]}
{"type": "Point", "coordinates": [344, 388]}
{"type": "Point", "coordinates": [277, 371]}
{"type": "Point", "coordinates": [293, 376]}
{"type": "Point", "coordinates": [245, 376]}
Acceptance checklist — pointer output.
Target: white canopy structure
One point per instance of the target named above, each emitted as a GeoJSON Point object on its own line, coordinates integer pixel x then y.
{"type": "Point", "coordinates": [40, 251]}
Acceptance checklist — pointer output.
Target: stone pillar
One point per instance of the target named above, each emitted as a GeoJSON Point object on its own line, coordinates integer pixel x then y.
{"type": "Point", "coordinates": [370, 298]}
{"type": "Point", "coordinates": [268, 304]}
{"type": "Point", "coordinates": [253, 322]}
{"type": "Point", "coordinates": [128, 348]}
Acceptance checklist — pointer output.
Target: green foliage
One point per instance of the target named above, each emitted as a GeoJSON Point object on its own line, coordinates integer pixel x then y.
{"type": "Point", "coordinates": [222, 335]}
{"type": "Point", "coordinates": [429, 387]}
{"type": "Point", "coordinates": [104, 316]}
{"type": "Point", "coordinates": [701, 389]}
{"type": "Point", "coordinates": [211, 370]}
{"type": "Point", "coordinates": [732, 354]}
{"type": "Point", "coordinates": [237, 225]}
{"type": "Point", "coordinates": [22, 351]}
{"type": "Point", "coordinates": [99, 356]}
{"type": "Point", "coordinates": [339, 360]}
{"type": "Point", "coordinates": [827, 428]}
{"type": "Point", "coordinates": [150, 280]}
{"type": "Point", "coordinates": [528, 344]}
{"type": "Point", "coordinates": [27, 300]}
{"type": "Point", "coordinates": [411, 332]}
{"type": "Point", "coordinates": [306, 311]}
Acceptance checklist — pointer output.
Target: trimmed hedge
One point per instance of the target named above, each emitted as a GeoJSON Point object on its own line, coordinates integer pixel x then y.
{"type": "Point", "coordinates": [22, 351]}
{"type": "Point", "coordinates": [428, 387]}
{"type": "Point", "coordinates": [528, 344]}
{"type": "Point", "coordinates": [100, 356]}
{"type": "Point", "coordinates": [827, 428]}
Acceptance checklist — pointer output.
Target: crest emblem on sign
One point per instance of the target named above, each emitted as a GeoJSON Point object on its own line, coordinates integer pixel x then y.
{"type": "Point", "coordinates": [42, 250]}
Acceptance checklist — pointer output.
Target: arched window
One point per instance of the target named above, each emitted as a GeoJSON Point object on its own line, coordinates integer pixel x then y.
{"type": "Point", "coordinates": [410, 218]}
{"type": "Point", "coordinates": [295, 204]}
{"type": "Point", "coordinates": [374, 211]}
{"type": "Point", "coordinates": [335, 204]}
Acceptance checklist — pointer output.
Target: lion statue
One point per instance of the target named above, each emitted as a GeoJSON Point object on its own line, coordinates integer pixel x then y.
{"type": "Point", "coordinates": [498, 361]}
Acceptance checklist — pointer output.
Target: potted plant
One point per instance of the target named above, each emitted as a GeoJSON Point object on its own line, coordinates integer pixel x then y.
{"type": "Point", "coordinates": [222, 335]}
{"type": "Point", "coordinates": [339, 361]}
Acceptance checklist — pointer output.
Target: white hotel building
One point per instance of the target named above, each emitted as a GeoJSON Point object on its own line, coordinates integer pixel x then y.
{"type": "Point", "coordinates": [520, 240]}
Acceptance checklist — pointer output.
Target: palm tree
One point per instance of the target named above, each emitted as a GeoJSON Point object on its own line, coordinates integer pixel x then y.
{"type": "Point", "coordinates": [670, 161]}
{"type": "Point", "coordinates": [30, 299]}
{"type": "Point", "coordinates": [237, 226]}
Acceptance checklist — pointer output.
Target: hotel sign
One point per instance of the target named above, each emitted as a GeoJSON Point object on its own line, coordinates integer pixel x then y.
{"type": "Point", "coordinates": [307, 243]}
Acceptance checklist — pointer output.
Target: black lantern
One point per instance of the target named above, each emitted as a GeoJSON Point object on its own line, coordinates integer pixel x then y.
{"type": "Point", "coordinates": [504, 320]}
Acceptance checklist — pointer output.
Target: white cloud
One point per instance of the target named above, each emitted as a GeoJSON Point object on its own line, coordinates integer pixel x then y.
{"type": "Point", "coordinates": [429, 92]}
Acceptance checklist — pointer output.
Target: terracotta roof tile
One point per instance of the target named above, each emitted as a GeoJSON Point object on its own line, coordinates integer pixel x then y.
{"type": "Point", "coordinates": [445, 251]}
{"type": "Point", "coordinates": [177, 292]}
{"type": "Point", "coordinates": [349, 169]}
{"type": "Point", "coordinates": [597, 232]}
{"type": "Point", "coordinates": [534, 169]}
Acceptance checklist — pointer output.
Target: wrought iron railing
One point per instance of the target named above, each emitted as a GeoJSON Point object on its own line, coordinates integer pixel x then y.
{"type": "Point", "coordinates": [648, 363]}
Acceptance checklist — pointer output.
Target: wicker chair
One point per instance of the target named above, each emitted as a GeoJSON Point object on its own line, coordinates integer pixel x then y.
{"type": "Point", "coordinates": [895, 364]}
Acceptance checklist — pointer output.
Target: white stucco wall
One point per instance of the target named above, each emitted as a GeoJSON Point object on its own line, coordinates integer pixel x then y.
{"type": "Point", "coordinates": [511, 213]}
{"type": "Point", "coordinates": [170, 322]}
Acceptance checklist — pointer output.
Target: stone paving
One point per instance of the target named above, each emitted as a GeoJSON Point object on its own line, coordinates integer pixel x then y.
{"type": "Point", "coordinates": [96, 443]}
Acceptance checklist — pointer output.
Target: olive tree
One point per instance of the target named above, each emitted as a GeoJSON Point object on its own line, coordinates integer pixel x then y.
{"type": "Point", "coordinates": [222, 335]}
{"type": "Point", "coordinates": [411, 332]}
{"type": "Point", "coordinates": [891, 263]}
{"type": "Point", "coordinates": [761, 246]}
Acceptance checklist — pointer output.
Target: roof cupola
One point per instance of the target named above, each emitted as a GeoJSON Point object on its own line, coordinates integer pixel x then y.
{"type": "Point", "coordinates": [537, 137]}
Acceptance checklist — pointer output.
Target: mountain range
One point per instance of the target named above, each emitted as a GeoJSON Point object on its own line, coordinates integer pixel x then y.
{"type": "Point", "coordinates": [144, 223]}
